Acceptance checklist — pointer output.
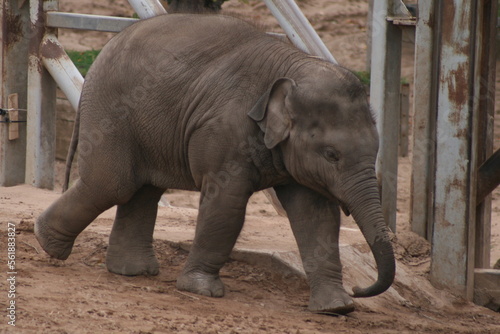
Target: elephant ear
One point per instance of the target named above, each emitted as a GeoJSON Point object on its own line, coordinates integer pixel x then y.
{"type": "Point", "coordinates": [271, 113]}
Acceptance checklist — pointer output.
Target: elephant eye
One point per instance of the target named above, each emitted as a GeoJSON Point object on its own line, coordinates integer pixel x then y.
{"type": "Point", "coordinates": [331, 154]}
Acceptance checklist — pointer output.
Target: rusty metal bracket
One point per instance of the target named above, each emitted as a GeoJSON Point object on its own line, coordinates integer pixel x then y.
{"type": "Point", "coordinates": [401, 15]}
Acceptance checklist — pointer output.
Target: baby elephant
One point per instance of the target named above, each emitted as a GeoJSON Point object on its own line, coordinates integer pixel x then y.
{"type": "Point", "coordinates": [212, 104]}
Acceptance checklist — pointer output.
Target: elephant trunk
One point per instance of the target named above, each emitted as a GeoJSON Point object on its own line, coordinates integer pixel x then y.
{"type": "Point", "coordinates": [363, 201]}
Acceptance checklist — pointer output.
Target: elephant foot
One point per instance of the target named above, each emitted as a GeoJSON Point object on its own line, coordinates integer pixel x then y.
{"type": "Point", "coordinates": [201, 283]}
{"type": "Point", "coordinates": [131, 262]}
{"type": "Point", "coordinates": [331, 300]}
{"type": "Point", "coordinates": [54, 243]}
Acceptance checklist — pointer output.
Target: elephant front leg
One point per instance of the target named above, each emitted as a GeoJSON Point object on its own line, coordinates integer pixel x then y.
{"type": "Point", "coordinates": [315, 223]}
{"type": "Point", "coordinates": [220, 219]}
{"type": "Point", "coordinates": [130, 250]}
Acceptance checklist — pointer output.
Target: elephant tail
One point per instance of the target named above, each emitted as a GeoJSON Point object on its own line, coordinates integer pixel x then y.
{"type": "Point", "coordinates": [72, 150]}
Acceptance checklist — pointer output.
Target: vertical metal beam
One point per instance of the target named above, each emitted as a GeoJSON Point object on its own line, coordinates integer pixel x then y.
{"type": "Point", "coordinates": [384, 97]}
{"type": "Point", "coordinates": [14, 35]}
{"type": "Point", "coordinates": [454, 203]}
{"type": "Point", "coordinates": [147, 8]}
{"type": "Point", "coordinates": [369, 30]}
{"type": "Point", "coordinates": [424, 119]}
{"type": "Point", "coordinates": [487, 69]}
{"type": "Point", "coordinates": [40, 151]}
{"type": "Point", "coordinates": [404, 112]}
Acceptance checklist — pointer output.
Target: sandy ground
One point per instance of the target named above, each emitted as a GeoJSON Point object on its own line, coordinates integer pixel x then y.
{"type": "Point", "coordinates": [81, 296]}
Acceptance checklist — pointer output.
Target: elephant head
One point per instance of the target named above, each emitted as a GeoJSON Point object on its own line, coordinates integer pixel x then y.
{"type": "Point", "coordinates": [323, 125]}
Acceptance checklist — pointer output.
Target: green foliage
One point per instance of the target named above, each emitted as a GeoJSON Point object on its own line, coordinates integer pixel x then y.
{"type": "Point", "coordinates": [364, 76]}
{"type": "Point", "coordinates": [83, 60]}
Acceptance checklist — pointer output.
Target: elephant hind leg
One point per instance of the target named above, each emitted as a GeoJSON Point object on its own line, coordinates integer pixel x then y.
{"type": "Point", "coordinates": [57, 227]}
{"type": "Point", "coordinates": [130, 250]}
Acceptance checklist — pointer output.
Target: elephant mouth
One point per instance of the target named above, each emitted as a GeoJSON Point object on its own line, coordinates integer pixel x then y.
{"type": "Point", "coordinates": [344, 209]}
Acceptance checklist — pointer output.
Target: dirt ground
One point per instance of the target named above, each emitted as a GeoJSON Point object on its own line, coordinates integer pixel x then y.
{"type": "Point", "coordinates": [80, 296]}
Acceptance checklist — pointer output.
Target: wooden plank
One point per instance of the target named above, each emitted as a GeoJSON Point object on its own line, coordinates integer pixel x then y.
{"type": "Point", "coordinates": [487, 288]}
{"type": "Point", "coordinates": [13, 105]}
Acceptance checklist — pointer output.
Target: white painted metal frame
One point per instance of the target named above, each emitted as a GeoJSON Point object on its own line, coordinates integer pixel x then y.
{"type": "Point", "coordinates": [88, 22]}
{"type": "Point", "coordinates": [147, 8]}
{"type": "Point", "coordinates": [62, 69]}
{"type": "Point", "coordinates": [298, 29]}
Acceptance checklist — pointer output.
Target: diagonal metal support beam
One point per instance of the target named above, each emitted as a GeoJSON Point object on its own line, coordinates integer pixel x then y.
{"type": "Point", "coordinates": [298, 28]}
{"type": "Point", "coordinates": [62, 69]}
{"type": "Point", "coordinates": [147, 8]}
{"type": "Point", "coordinates": [88, 22]}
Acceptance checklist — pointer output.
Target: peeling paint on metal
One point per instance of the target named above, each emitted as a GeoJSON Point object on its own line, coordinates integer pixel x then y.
{"type": "Point", "coordinates": [62, 69]}
{"type": "Point", "coordinates": [14, 28]}
{"type": "Point", "coordinates": [51, 49]}
{"type": "Point", "coordinates": [454, 146]}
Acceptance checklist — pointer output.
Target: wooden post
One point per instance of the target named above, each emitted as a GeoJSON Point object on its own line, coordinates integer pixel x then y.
{"type": "Point", "coordinates": [14, 39]}
{"type": "Point", "coordinates": [40, 151]}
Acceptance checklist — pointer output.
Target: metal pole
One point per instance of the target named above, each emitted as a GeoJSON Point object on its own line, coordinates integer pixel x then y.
{"type": "Point", "coordinates": [88, 22]}
{"type": "Point", "coordinates": [487, 60]}
{"type": "Point", "coordinates": [384, 97]}
{"type": "Point", "coordinates": [298, 28]}
{"type": "Point", "coordinates": [62, 69]}
{"type": "Point", "coordinates": [41, 126]}
{"type": "Point", "coordinates": [454, 201]}
{"type": "Point", "coordinates": [147, 8]}
{"type": "Point", "coordinates": [424, 119]}
{"type": "Point", "coordinates": [13, 80]}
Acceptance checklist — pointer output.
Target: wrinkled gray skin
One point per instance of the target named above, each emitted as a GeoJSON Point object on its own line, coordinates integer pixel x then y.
{"type": "Point", "coordinates": [209, 103]}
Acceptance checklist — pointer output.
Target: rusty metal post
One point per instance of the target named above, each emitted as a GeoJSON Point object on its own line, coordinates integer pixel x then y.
{"type": "Point", "coordinates": [404, 112]}
{"type": "Point", "coordinates": [487, 69]}
{"type": "Point", "coordinates": [455, 176]}
{"type": "Point", "coordinates": [40, 151]}
{"type": "Point", "coordinates": [14, 39]}
{"type": "Point", "coordinates": [384, 97]}
{"type": "Point", "coordinates": [424, 124]}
